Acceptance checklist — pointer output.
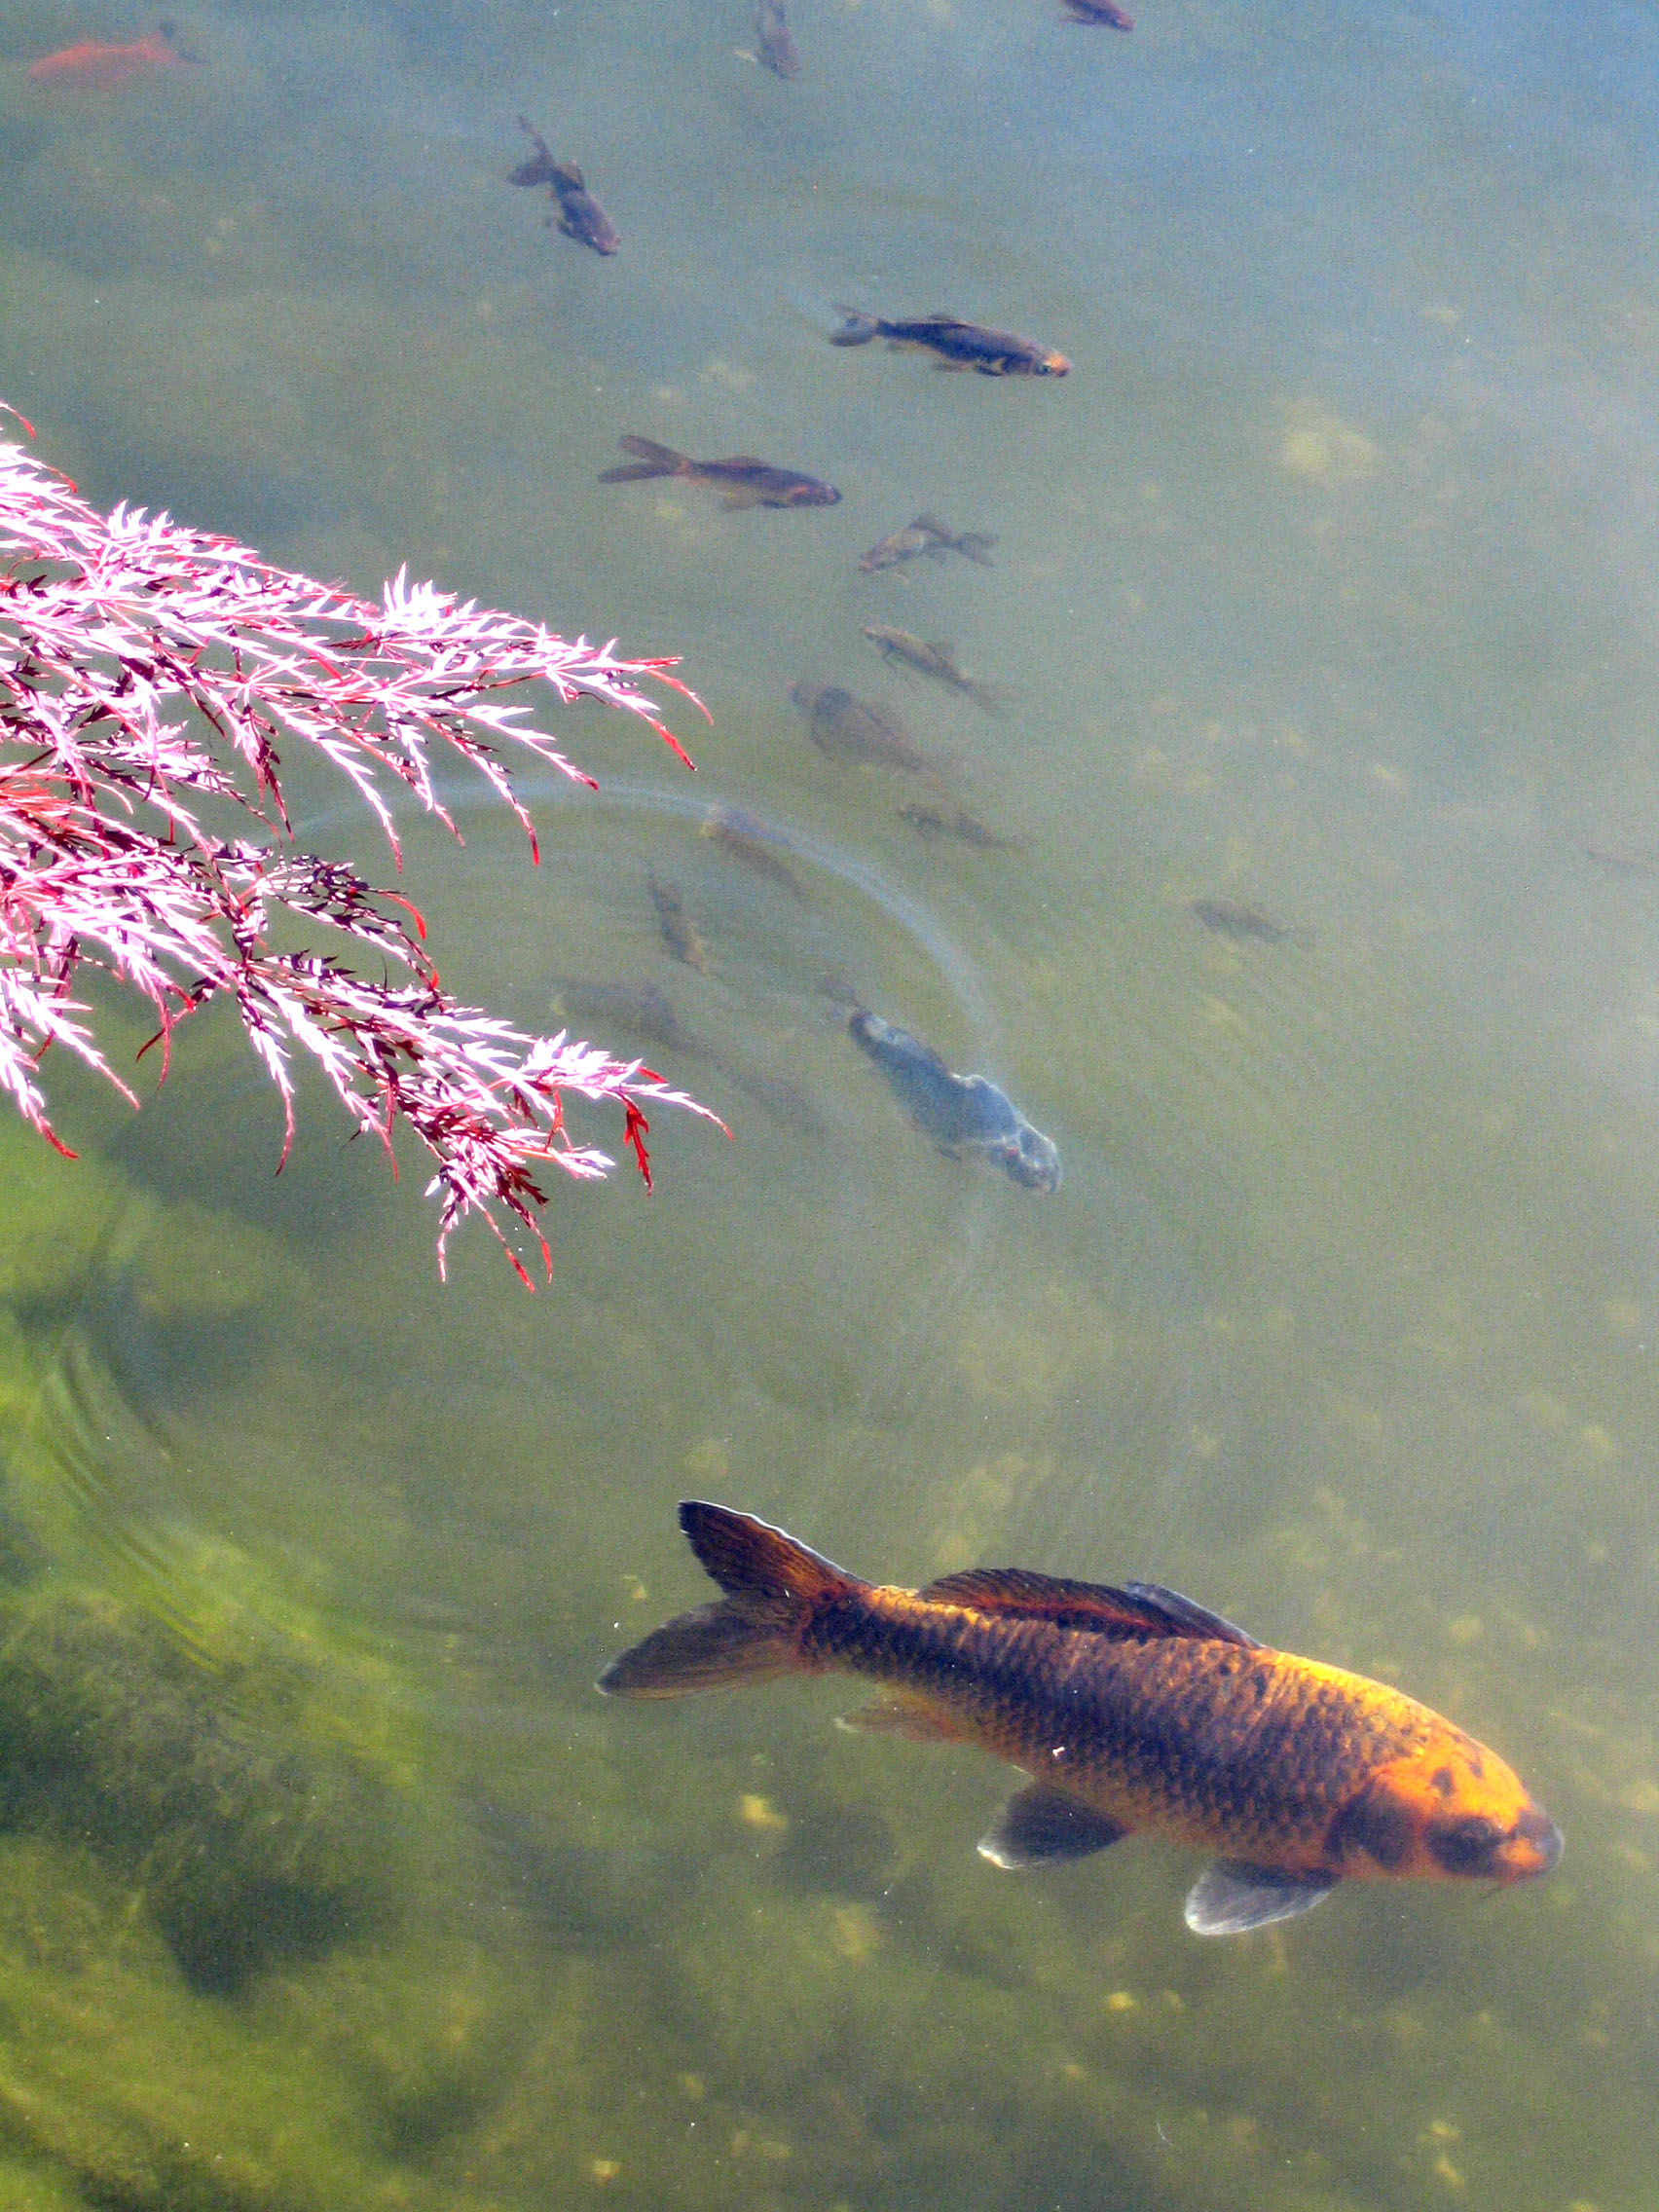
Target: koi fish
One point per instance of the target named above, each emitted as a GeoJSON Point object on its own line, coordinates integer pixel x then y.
{"type": "Point", "coordinates": [1231, 918]}
{"type": "Point", "coordinates": [98, 66]}
{"type": "Point", "coordinates": [579, 214]}
{"type": "Point", "coordinates": [1105, 12]}
{"type": "Point", "coordinates": [938, 661]}
{"type": "Point", "coordinates": [961, 1113]}
{"type": "Point", "coordinates": [845, 728]}
{"type": "Point", "coordinates": [959, 344]}
{"type": "Point", "coordinates": [778, 49]}
{"type": "Point", "coordinates": [1129, 1708]}
{"type": "Point", "coordinates": [742, 481]}
{"type": "Point", "coordinates": [927, 534]}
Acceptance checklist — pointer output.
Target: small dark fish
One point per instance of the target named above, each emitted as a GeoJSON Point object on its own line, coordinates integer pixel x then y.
{"type": "Point", "coordinates": [742, 481]}
{"type": "Point", "coordinates": [959, 344]}
{"type": "Point", "coordinates": [640, 1009]}
{"type": "Point", "coordinates": [741, 836]}
{"type": "Point", "coordinates": [1105, 12]}
{"type": "Point", "coordinates": [1129, 1709]}
{"type": "Point", "coordinates": [927, 534]}
{"type": "Point", "coordinates": [778, 50]}
{"type": "Point", "coordinates": [578, 214]}
{"type": "Point", "coordinates": [957, 823]}
{"type": "Point", "coordinates": [845, 728]}
{"type": "Point", "coordinates": [679, 933]}
{"type": "Point", "coordinates": [1238, 922]}
{"type": "Point", "coordinates": [938, 661]}
{"type": "Point", "coordinates": [961, 1112]}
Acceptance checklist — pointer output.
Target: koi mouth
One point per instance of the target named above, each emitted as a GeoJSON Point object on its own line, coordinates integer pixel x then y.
{"type": "Point", "coordinates": [1532, 1847]}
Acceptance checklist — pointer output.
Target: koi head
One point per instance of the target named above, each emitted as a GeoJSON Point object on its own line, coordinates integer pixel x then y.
{"type": "Point", "coordinates": [1050, 365]}
{"type": "Point", "coordinates": [1450, 1810]}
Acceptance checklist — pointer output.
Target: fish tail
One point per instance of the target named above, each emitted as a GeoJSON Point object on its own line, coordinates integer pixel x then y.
{"type": "Point", "coordinates": [772, 1587]}
{"type": "Point", "coordinates": [857, 330]}
{"type": "Point", "coordinates": [652, 460]}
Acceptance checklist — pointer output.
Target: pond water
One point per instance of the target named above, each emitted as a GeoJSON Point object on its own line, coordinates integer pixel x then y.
{"type": "Point", "coordinates": [1324, 588]}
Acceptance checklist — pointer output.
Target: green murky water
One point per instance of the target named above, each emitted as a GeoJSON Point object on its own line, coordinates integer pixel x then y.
{"type": "Point", "coordinates": [1324, 584]}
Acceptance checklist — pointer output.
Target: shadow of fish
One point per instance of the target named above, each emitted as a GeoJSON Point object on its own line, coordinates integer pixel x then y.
{"type": "Point", "coordinates": [1129, 1708]}
{"type": "Point", "coordinates": [961, 1113]}
{"type": "Point", "coordinates": [1229, 917]}
{"type": "Point", "coordinates": [1105, 12]}
{"type": "Point", "coordinates": [845, 728]}
{"type": "Point", "coordinates": [778, 49]}
{"type": "Point", "coordinates": [957, 344]}
{"type": "Point", "coordinates": [927, 535]}
{"type": "Point", "coordinates": [640, 1009]}
{"type": "Point", "coordinates": [742, 481]}
{"type": "Point", "coordinates": [956, 823]}
{"type": "Point", "coordinates": [578, 214]}
{"type": "Point", "coordinates": [936, 660]}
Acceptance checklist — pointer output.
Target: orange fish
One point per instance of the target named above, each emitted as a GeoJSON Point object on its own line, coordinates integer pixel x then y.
{"type": "Point", "coordinates": [1129, 1709]}
{"type": "Point", "coordinates": [97, 67]}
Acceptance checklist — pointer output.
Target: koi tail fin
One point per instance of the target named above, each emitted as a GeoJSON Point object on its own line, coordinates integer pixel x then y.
{"type": "Point", "coordinates": [857, 330]}
{"type": "Point", "coordinates": [652, 461]}
{"type": "Point", "coordinates": [772, 1586]}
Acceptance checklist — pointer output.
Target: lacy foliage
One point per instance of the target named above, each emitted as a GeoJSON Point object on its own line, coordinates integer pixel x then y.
{"type": "Point", "coordinates": [148, 674]}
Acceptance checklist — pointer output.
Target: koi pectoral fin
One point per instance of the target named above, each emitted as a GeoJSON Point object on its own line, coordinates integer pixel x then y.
{"type": "Point", "coordinates": [1040, 1827]}
{"type": "Point", "coordinates": [1228, 1898]}
{"type": "Point", "coordinates": [897, 1717]}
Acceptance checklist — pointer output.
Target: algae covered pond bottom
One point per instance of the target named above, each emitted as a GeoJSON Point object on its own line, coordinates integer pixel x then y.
{"type": "Point", "coordinates": [1237, 751]}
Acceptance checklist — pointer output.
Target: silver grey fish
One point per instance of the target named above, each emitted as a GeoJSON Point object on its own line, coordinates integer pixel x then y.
{"type": "Point", "coordinates": [961, 1112]}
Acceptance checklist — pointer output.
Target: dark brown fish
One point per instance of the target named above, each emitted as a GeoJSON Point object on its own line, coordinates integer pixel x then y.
{"type": "Point", "coordinates": [957, 823]}
{"type": "Point", "coordinates": [1105, 12]}
{"type": "Point", "coordinates": [778, 49]}
{"type": "Point", "coordinates": [1129, 1709]}
{"type": "Point", "coordinates": [938, 661]}
{"type": "Point", "coordinates": [742, 481]}
{"type": "Point", "coordinates": [1237, 921]}
{"type": "Point", "coordinates": [958, 345]}
{"type": "Point", "coordinates": [845, 728]}
{"type": "Point", "coordinates": [741, 836]}
{"type": "Point", "coordinates": [679, 933]}
{"type": "Point", "coordinates": [927, 534]}
{"type": "Point", "coordinates": [578, 213]}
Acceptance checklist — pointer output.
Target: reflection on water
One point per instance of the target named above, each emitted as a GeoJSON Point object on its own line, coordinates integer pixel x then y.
{"type": "Point", "coordinates": [1319, 614]}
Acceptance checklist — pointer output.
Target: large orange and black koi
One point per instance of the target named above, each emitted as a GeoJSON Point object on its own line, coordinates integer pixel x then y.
{"type": "Point", "coordinates": [1129, 1708]}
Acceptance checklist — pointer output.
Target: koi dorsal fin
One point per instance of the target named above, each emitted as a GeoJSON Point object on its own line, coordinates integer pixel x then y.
{"type": "Point", "coordinates": [1138, 1608]}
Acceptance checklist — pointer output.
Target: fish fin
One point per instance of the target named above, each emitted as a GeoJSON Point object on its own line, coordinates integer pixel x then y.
{"type": "Point", "coordinates": [770, 1584]}
{"type": "Point", "coordinates": [568, 174]}
{"type": "Point", "coordinates": [1138, 1609]}
{"type": "Point", "coordinates": [758, 1566]}
{"type": "Point", "coordinates": [897, 1717]}
{"type": "Point", "coordinates": [1040, 1827]}
{"type": "Point", "coordinates": [740, 496]}
{"type": "Point", "coordinates": [1228, 1898]}
{"type": "Point", "coordinates": [717, 1647]}
{"type": "Point", "coordinates": [652, 461]}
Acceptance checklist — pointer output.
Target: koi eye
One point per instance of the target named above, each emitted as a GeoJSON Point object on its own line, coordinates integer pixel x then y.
{"type": "Point", "coordinates": [1464, 1847]}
